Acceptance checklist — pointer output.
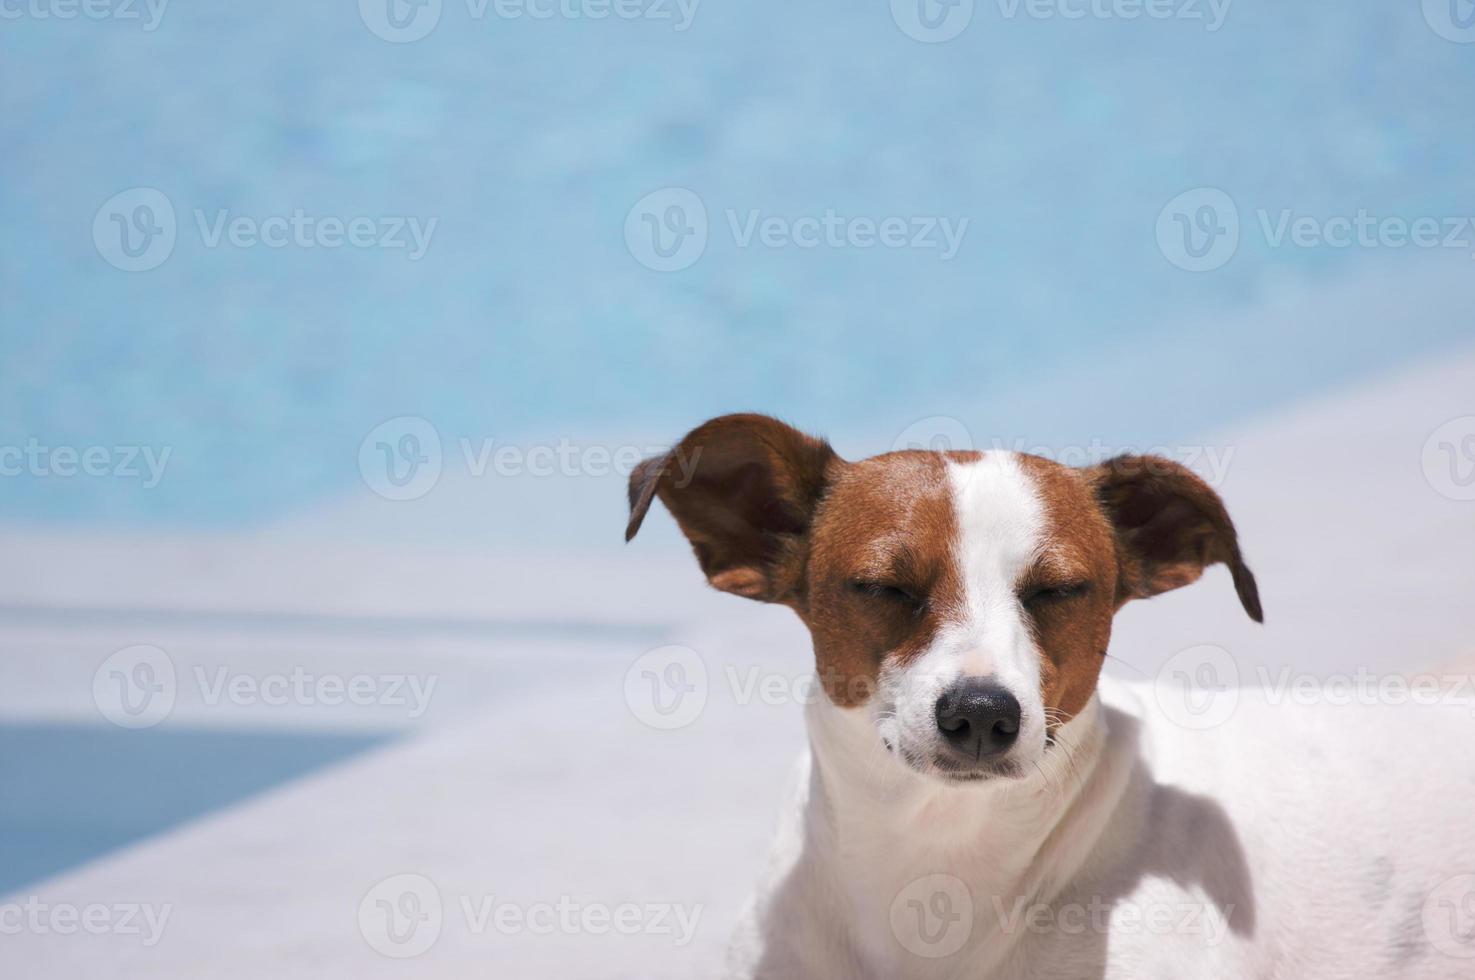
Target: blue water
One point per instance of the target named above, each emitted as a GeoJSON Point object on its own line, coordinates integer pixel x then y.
{"type": "Point", "coordinates": [530, 140]}
{"type": "Point", "coordinates": [74, 793]}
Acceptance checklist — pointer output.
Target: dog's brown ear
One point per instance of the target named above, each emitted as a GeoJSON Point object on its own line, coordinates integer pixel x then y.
{"type": "Point", "coordinates": [743, 489]}
{"type": "Point", "coordinates": [1170, 525]}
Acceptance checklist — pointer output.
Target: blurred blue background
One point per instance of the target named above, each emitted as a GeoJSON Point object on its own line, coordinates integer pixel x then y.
{"type": "Point", "coordinates": [528, 142]}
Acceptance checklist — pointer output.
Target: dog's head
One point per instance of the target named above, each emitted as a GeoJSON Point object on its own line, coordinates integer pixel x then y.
{"type": "Point", "coordinates": [963, 599]}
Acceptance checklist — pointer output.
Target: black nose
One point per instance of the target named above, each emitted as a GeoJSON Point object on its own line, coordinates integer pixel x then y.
{"type": "Point", "coordinates": [978, 717]}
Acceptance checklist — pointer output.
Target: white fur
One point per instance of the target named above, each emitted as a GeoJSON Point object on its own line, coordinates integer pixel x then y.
{"type": "Point", "coordinates": [1290, 843]}
{"type": "Point", "coordinates": [1319, 821]}
{"type": "Point", "coordinates": [1001, 528]}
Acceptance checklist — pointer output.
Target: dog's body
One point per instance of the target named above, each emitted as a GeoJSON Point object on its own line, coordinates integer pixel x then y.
{"type": "Point", "coordinates": [974, 804]}
{"type": "Point", "coordinates": [1291, 842]}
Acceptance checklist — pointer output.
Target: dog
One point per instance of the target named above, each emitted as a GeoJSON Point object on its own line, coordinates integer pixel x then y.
{"type": "Point", "coordinates": [978, 801]}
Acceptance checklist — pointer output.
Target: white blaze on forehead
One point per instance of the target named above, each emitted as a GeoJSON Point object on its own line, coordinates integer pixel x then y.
{"type": "Point", "coordinates": [1001, 532]}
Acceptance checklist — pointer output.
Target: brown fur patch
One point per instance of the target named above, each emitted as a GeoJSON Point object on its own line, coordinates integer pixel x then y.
{"type": "Point", "coordinates": [886, 521]}
{"type": "Point", "coordinates": [1170, 525]}
{"type": "Point", "coordinates": [743, 489]}
{"type": "Point", "coordinates": [1072, 633]}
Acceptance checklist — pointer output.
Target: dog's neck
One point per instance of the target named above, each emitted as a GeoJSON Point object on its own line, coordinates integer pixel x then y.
{"type": "Point", "coordinates": [881, 825]}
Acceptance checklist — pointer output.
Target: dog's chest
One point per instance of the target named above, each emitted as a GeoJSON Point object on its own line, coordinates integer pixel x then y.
{"type": "Point", "coordinates": [923, 890]}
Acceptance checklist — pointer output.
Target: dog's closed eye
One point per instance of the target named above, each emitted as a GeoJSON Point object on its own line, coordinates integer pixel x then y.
{"type": "Point", "coordinates": [1045, 594]}
{"type": "Point", "coordinates": [887, 592]}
